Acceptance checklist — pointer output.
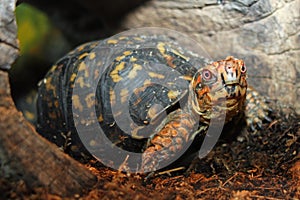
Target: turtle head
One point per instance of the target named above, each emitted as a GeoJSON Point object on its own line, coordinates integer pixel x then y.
{"type": "Point", "coordinates": [218, 87]}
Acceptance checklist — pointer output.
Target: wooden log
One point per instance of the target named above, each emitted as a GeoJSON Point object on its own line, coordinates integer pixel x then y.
{"type": "Point", "coordinates": [24, 153]}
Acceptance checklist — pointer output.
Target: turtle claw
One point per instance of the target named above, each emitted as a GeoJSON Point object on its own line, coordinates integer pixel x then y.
{"type": "Point", "coordinates": [259, 125]}
{"type": "Point", "coordinates": [192, 166]}
{"type": "Point", "coordinates": [149, 177]}
{"type": "Point", "coordinates": [268, 119]}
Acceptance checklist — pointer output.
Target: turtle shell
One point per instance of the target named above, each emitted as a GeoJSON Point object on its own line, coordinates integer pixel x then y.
{"type": "Point", "coordinates": [132, 83]}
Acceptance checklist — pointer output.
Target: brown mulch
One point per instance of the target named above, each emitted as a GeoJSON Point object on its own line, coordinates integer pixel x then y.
{"type": "Point", "coordinates": [263, 165]}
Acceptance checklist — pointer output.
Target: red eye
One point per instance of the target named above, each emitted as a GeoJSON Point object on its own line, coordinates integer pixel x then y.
{"type": "Point", "coordinates": [243, 68]}
{"type": "Point", "coordinates": [206, 74]}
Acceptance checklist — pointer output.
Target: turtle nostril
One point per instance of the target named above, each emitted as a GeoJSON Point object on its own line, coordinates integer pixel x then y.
{"type": "Point", "coordinates": [233, 88]}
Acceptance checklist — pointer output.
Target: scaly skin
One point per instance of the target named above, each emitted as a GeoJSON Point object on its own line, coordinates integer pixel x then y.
{"type": "Point", "coordinates": [220, 86]}
{"type": "Point", "coordinates": [256, 110]}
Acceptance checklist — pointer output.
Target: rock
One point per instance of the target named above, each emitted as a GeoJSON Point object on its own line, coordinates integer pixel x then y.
{"type": "Point", "coordinates": [265, 34]}
{"type": "Point", "coordinates": [8, 35]}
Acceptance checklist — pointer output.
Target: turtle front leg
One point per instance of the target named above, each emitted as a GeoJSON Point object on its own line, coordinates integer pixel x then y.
{"type": "Point", "coordinates": [170, 141]}
{"type": "Point", "coordinates": [257, 109]}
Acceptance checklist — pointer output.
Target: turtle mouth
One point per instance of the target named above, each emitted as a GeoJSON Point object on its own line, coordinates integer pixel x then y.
{"type": "Point", "coordinates": [233, 91]}
{"type": "Point", "coordinates": [226, 97]}
{"type": "Point", "coordinates": [230, 90]}
{"type": "Point", "coordinates": [229, 96]}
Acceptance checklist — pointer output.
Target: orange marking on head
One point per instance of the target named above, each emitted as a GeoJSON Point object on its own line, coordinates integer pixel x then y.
{"type": "Point", "coordinates": [221, 84]}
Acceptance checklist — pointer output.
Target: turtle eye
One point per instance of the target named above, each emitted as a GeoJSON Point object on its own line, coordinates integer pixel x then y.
{"type": "Point", "coordinates": [243, 68]}
{"type": "Point", "coordinates": [207, 75]}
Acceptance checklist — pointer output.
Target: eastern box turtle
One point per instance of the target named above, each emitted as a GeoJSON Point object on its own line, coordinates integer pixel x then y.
{"type": "Point", "coordinates": [152, 97]}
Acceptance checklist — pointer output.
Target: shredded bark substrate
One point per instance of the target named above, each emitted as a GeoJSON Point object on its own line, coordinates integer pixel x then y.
{"type": "Point", "coordinates": [260, 165]}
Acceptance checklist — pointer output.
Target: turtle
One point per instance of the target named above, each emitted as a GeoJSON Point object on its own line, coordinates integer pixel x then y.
{"type": "Point", "coordinates": [151, 96]}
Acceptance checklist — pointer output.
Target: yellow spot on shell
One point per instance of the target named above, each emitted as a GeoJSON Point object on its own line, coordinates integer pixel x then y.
{"type": "Point", "coordinates": [153, 111]}
{"type": "Point", "coordinates": [49, 86]}
{"type": "Point", "coordinates": [29, 115]}
{"type": "Point", "coordinates": [76, 103]}
{"type": "Point", "coordinates": [124, 95]}
{"type": "Point", "coordinates": [73, 76]}
{"type": "Point", "coordinates": [96, 74]}
{"type": "Point", "coordinates": [173, 94]}
{"type": "Point", "coordinates": [122, 38]}
{"type": "Point", "coordinates": [161, 48]}
{"type": "Point", "coordinates": [100, 118]}
{"type": "Point", "coordinates": [112, 95]}
{"type": "Point", "coordinates": [80, 48]}
{"type": "Point", "coordinates": [156, 75]}
{"type": "Point", "coordinates": [53, 68]}
{"type": "Point", "coordinates": [94, 44]}
{"type": "Point", "coordinates": [133, 59]}
{"type": "Point", "coordinates": [133, 73]}
{"type": "Point", "coordinates": [93, 143]}
{"type": "Point", "coordinates": [179, 54]}
{"type": "Point", "coordinates": [112, 41]}
{"type": "Point", "coordinates": [147, 82]}
{"type": "Point", "coordinates": [99, 63]}
{"type": "Point", "coordinates": [138, 39]}
{"type": "Point", "coordinates": [126, 53]}
{"type": "Point", "coordinates": [115, 73]}
{"type": "Point", "coordinates": [90, 100]}
{"type": "Point", "coordinates": [135, 133]}
{"type": "Point", "coordinates": [83, 56]}
{"type": "Point", "coordinates": [92, 55]}
{"type": "Point", "coordinates": [83, 67]}
{"type": "Point", "coordinates": [80, 82]}
{"type": "Point", "coordinates": [56, 104]}
{"type": "Point", "coordinates": [188, 78]}
{"type": "Point", "coordinates": [119, 58]}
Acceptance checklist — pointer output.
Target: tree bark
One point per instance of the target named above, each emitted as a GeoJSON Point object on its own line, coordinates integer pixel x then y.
{"type": "Point", "coordinates": [24, 153]}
